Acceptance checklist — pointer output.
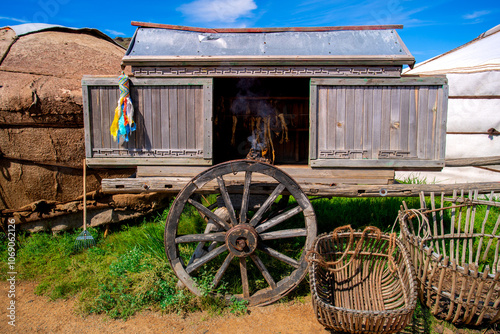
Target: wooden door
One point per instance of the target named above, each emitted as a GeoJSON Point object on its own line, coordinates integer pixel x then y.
{"type": "Point", "coordinates": [173, 122]}
{"type": "Point", "coordinates": [393, 123]}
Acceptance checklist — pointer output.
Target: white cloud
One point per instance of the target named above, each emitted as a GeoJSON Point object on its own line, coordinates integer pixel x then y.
{"type": "Point", "coordinates": [114, 32]}
{"type": "Point", "coordinates": [227, 11]}
{"type": "Point", "coordinates": [13, 19]}
{"type": "Point", "coordinates": [476, 14]}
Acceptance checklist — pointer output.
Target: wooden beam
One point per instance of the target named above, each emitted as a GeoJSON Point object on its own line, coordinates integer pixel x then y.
{"type": "Point", "coordinates": [378, 163]}
{"type": "Point", "coordinates": [93, 80]}
{"type": "Point", "coordinates": [133, 162]}
{"type": "Point", "coordinates": [176, 184]}
{"type": "Point", "coordinates": [301, 174]}
{"type": "Point", "coordinates": [293, 170]}
{"type": "Point", "coordinates": [264, 30]}
{"type": "Point", "coordinates": [407, 80]}
{"type": "Point", "coordinates": [479, 161]}
{"type": "Point", "coordinates": [268, 60]}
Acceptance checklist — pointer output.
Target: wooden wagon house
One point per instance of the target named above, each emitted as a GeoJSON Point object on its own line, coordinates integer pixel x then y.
{"type": "Point", "coordinates": [328, 105]}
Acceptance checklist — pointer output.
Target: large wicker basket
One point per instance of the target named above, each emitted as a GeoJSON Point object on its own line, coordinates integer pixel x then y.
{"type": "Point", "coordinates": [454, 247]}
{"type": "Point", "coordinates": [362, 282]}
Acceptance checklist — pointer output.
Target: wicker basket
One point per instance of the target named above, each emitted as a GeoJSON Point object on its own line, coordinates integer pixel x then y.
{"type": "Point", "coordinates": [362, 282]}
{"type": "Point", "coordinates": [454, 249]}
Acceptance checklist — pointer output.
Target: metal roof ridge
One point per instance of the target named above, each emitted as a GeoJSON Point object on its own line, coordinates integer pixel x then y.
{"type": "Point", "coordinates": [264, 30]}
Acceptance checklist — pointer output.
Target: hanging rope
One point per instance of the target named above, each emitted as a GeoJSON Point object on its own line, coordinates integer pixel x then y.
{"type": "Point", "coordinates": [123, 123]}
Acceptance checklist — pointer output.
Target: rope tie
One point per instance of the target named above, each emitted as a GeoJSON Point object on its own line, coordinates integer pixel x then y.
{"type": "Point", "coordinates": [123, 122]}
{"type": "Point", "coordinates": [390, 258]}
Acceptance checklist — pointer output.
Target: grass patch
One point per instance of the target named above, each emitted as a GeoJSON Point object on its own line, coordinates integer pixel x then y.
{"type": "Point", "coordinates": [128, 271]}
{"type": "Point", "coordinates": [125, 273]}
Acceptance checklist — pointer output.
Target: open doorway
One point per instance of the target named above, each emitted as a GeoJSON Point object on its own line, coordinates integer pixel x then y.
{"type": "Point", "coordinates": [266, 119]}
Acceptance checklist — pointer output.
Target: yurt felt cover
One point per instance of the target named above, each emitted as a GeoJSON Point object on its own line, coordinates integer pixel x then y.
{"type": "Point", "coordinates": [41, 113]}
{"type": "Point", "coordinates": [473, 72]}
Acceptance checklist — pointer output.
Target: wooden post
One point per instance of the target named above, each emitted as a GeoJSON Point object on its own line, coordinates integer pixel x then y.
{"type": "Point", "coordinates": [84, 194]}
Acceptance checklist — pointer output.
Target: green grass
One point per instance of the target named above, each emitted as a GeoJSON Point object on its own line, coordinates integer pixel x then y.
{"type": "Point", "coordinates": [416, 179]}
{"type": "Point", "coordinates": [125, 273]}
{"type": "Point", "coordinates": [128, 271]}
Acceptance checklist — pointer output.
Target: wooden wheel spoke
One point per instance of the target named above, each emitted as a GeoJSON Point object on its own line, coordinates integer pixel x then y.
{"type": "Point", "coordinates": [227, 200]}
{"type": "Point", "coordinates": [222, 270]}
{"type": "Point", "coordinates": [246, 197]}
{"type": "Point", "coordinates": [219, 237]}
{"type": "Point", "coordinates": [267, 276]}
{"type": "Point", "coordinates": [205, 258]}
{"type": "Point", "coordinates": [282, 257]}
{"type": "Point", "coordinates": [205, 211]}
{"type": "Point", "coordinates": [283, 234]}
{"type": "Point", "coordinates": [278, 219]}
{"type": "Point", "coordinates": [244, 277]}
{"type": "Point", "coordinates": [270, 200]}
{"type": "Point", "coordinates": [228, 222]}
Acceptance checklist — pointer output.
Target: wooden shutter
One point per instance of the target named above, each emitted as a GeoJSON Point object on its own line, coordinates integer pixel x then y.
{"type": "Point", "coordinates": [393, 123]}
{"type": "Point", "coordinates": [173, 119]}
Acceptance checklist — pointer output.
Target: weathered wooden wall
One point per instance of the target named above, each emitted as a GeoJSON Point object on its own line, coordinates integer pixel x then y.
{"type": "Point", "coordinates": [362, 123]}
{"type": "Point", "coordinates": [171, 119]}
{"type": "Point", "coordinates": [378, 123]}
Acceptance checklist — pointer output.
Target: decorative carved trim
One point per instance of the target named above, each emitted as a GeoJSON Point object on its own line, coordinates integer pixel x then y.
{"type": "Point", "coordinates": [393, 154]}
{"type": "Point", "coordinates": [160, 153]}
{"type": "Point", "coordinates": [268, 71]}
{"type": "Point", "coordinates": [343, 154]}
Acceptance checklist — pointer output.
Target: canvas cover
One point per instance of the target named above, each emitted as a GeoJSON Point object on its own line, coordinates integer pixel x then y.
{"type": "Point", "coordinates": [473, 72]}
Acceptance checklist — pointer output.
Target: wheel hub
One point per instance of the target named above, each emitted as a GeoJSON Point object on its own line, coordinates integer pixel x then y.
{"type": "Point", "coordinates": [241, 240]}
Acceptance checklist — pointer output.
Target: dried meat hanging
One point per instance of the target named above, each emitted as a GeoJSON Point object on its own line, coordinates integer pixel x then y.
{"type": "Point", "coordinates": [123, 123]}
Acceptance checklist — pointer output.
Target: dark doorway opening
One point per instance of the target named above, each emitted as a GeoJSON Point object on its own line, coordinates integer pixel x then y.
{"type": "Point", "coordinates": [270, 115]}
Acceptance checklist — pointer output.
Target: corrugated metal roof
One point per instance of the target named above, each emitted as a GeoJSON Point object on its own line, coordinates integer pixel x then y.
{"type": "Point", "coordinates": [154, 42]}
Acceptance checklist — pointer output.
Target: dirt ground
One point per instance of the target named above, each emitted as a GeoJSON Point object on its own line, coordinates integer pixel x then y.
{"type": "Point", "coordinates": [37, 314]}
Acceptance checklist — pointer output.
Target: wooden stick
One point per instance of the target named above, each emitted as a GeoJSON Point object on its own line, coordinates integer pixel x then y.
{"type": "Point", "coordinates": [466, 162]}
{"type": "Point", "coordinates": [466, 229]}
{"type": "Point", "coordinates": [84, 194]}
{"type": "Point", "coordinates": [441, 219]}
{"type": "Point", "coordinates": [453, 289]}
{"type": "Point", "coordinates": [463, 290]}
{"type": "Point", "coordinates": [472, 224]}
{"type": "Point", "coordinates": [452, 231]}
{"type": "Point", "coordinates": [483, 228]}
{"type": "Point", "coordinates": [459, 225]}
{"type": "Point", "coordinates": [434, 220]}
{"type": "Point", "coordinates": [106, 231]}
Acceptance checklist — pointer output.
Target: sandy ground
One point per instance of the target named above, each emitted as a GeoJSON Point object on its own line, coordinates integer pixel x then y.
{"type": "Point", "coordinates": [37, 314]}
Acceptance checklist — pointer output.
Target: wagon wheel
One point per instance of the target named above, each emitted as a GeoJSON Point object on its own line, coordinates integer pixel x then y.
{"type": "Point", "coordinates": [263, 243]}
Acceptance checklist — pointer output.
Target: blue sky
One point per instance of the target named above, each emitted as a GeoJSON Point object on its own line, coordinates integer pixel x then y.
{"type": "Point", "coordinates": [430, 27]}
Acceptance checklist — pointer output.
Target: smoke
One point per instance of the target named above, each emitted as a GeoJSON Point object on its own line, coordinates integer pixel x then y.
{"type": "Point", "coordinates": [251, 99]}
{"type": "Point", "coordinates": [256, 145]}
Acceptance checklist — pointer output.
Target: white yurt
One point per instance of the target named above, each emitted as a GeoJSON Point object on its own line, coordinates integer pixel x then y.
{"type": "Point", "coordinates": [473, 127]}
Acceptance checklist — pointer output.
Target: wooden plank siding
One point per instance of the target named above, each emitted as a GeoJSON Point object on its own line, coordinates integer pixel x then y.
{"type": "Point", "coordinates": [397, 123]}
{"type": "Point", "coordinates": [171, 121]}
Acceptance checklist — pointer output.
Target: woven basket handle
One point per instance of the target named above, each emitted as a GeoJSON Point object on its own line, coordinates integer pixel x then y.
{"type": "Point", "coordinates": [335, 236]}
{"type": "Point", "coordinates": [330, 264]}
{"type": "Point", "coordinates": [424, 227]}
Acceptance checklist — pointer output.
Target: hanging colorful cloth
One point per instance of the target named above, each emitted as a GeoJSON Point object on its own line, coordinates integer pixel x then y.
{"type": "Point", "coordinates": [123, 123]}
